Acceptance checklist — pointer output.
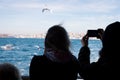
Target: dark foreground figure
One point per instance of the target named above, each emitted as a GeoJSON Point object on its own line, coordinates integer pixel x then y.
{"type": "Point", "coordinates": [108, 65]}
{"type": "Point", "coordinates": [9, 71]}
{"type": "Point", "coordinates": [57, 62]}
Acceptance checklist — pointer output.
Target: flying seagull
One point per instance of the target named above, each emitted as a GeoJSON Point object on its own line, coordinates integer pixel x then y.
{"type": "Point", "coordinates": [45, 9]}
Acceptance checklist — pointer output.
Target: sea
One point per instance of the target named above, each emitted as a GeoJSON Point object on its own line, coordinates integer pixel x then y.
{"type": "Point", "coordinates": [19, 51]}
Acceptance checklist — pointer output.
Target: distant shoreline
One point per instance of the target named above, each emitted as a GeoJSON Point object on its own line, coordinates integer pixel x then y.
{"type": "Point", "coordinates": [42, 36]}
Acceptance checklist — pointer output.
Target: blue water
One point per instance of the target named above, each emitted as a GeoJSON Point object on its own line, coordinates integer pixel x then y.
{"type": "Point", "coordinates": [19, 51]}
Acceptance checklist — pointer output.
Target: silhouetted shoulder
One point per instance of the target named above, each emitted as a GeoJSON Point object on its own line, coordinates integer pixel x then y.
{"type": "Point", "coordinates": [38, 58]}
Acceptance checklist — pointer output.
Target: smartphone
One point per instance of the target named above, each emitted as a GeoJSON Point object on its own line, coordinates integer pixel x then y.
{"type": "Point", "coordinates": [95, 33]}
{"type": "Point", "coordinates": [92, 33]}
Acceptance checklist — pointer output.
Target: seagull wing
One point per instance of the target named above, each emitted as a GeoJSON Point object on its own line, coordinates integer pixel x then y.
{"type": "Point", "coordinates": [44, 9]}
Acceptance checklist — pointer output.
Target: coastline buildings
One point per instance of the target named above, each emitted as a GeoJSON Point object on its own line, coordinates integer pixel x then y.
{"type": "Point", "coordinates": [41, 35]}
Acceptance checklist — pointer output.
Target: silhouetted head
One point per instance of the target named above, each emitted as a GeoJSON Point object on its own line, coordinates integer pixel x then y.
{"type": "Point", "coordinates": [9, 72]}
{"type": "Point", "coordinates": [57, 38]}
{"type": "Point", "coordinates": [111, 39]}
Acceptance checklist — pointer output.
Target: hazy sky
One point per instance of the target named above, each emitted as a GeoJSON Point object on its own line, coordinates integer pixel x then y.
{"type": "Point", "coordinates": [26, 16]}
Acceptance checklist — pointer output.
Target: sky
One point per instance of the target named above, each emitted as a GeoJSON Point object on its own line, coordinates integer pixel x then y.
{"type": "Point", "coordinates": [77, 16]}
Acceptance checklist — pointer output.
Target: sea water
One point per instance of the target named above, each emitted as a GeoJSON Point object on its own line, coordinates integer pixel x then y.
{"type": "Point", "coordinates": [19, 51]}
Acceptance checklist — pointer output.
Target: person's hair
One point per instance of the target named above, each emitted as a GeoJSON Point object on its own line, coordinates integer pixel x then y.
{"type": "Point", "coordinates": [9, 72]}
{"type": "Point", "coordinates": [111, 34]}
{"type": "Point", "coordinates": [111, 40]}
{"type": "Point", "coordinates": [57, 39]}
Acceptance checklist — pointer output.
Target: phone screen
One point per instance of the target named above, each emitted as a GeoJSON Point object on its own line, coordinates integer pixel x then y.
{"type": "Point", "coordinates": [92, 33]}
